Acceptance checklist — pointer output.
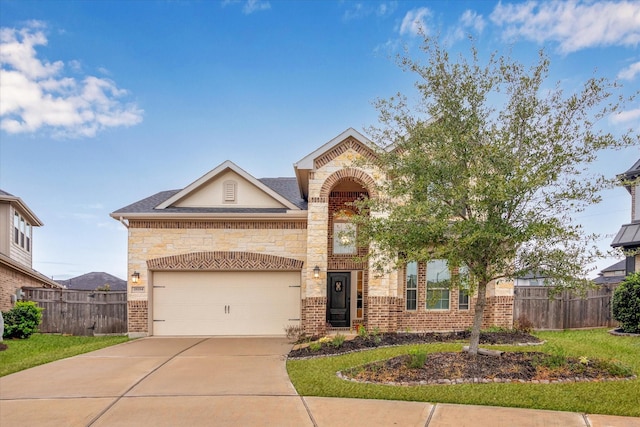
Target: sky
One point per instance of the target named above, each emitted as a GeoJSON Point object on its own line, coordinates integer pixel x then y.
{"type": "Point", "coordinates": [103, 103]}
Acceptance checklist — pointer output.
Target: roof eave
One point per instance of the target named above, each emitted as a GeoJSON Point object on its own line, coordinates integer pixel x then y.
{"type": "Point", "coordinates": [297, 214]}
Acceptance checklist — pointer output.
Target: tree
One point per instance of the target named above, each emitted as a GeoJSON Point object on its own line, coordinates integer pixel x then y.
{"type": "Point", "coordinates": [488, 171]}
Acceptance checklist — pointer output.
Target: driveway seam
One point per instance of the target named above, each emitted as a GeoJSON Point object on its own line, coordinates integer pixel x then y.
{"type": "Point", "coordinates": [118, 398]}
{"type": "Point", "coordinates": [313, 420]}
{"type": "Point", "coordinates": [433, 409]}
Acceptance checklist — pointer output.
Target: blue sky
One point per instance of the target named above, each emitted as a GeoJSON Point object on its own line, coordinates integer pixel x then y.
{"type": "Point", "coordinates": [103, 103]}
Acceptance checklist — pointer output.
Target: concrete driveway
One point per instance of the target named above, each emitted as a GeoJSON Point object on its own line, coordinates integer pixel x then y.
{"type": "Point", "coordinates": [222, 382]}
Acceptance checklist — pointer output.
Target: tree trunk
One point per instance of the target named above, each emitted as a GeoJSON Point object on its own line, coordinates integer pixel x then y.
{"type": "Point", "coordinates": [477, 318]}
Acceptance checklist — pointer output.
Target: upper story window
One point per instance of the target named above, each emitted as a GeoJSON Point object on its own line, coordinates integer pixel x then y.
{"type": "Point", "coordinates": [344, 233]}
{"type": "Point", "coordinates": [412, 285]}
{"type": "Point", "coordinates": [230, 191]}
{"type": "Point", "coordinates": [21, 232]}
{"type": "Point", "coordinates": [438, 281]}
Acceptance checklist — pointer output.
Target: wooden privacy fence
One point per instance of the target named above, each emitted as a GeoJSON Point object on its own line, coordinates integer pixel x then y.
{"type": "Point", "coordinates": [80, 312]}
{"type": "Point", "coordinates": [566, 310]}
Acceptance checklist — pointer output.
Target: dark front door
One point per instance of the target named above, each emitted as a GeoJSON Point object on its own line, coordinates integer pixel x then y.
{"type": "Point", "coordinates": [338, 299]}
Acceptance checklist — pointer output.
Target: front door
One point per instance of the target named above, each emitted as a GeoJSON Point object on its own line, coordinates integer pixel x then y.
{"type": "Point", "coordinates": [338, 299]}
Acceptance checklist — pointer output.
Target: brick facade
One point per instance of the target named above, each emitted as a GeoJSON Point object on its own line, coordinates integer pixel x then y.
{"type": "Point", "coordinates": [138, 317]}
{"type": "Point", "coordinates": [11, 280]}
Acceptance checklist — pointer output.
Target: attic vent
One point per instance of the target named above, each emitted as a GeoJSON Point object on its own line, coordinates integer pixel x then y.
{"type": "Point", "coordinates": [230, 191]}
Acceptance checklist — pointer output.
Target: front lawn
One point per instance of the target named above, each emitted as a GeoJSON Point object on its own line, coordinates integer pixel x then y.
{"type": "Point", "coordinates": [44, 348]}
{"type": "Point", "coordinates": [317, 377]}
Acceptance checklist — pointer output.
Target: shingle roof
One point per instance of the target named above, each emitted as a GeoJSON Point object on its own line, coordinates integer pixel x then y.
{"type": "Point", "coordinates": [628, 236]}
{"type": "Point", "coordinates": [633, 171]}
{"type": "Point", "coordinates": [4, 193]}
{"type": "Point", "coordinates": [618, 266]}
{"type": "Point", "coordinates": [286, 187]}
{"type": "Point", "coordinates": [94, 280]}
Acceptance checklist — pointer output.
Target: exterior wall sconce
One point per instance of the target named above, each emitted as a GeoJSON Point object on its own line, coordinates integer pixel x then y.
{"type": "Point", "coordinates": [135, 277]}
{"type": "Point", "coordinates": [316, 272]}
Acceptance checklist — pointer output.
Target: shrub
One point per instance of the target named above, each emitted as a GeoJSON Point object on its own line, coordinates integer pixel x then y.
{"type": "Point", "coordinates": [338, 340]}
{"type": "Point", "coordinates": [523, 324]}
{"type": "Point", "coordinates": [417, 358]}
{"type": "Point", "coordinates": [22, 320]}
{"type": "Point", "coordinates": [315, 346]}
{"type": "Point", "coordinates": [626, 304]}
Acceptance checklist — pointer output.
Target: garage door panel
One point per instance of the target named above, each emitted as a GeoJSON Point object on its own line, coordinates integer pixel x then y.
{"type": "Point", "coordinates": [225, 303]}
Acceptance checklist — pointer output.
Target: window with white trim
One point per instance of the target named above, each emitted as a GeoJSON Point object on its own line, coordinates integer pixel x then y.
{"type": "Point", "coordinates": [411, 296]}
{"type": "Point", "coordinates": [438, 281]}
{"type": "Point", "coordinates": [463, 288]}
{"type": "Point", "coordinates": [21, 232]}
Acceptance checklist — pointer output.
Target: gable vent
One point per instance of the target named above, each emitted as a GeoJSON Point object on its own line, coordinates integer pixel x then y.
{"type": "Point", "coordinates": [230, 190]}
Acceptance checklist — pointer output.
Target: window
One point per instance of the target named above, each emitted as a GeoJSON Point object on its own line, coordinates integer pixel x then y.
{"type": "Point", "coordinates": [463, 290]}
{"type": "Point", "coordinates": [411, 297]}
{"type": "Point", "coordinates": [230, 189]}
{"type": "Point", "coordinates": [21, 232]}
{"type": "Point", "coordinates": [344, 235]}
{"type": "Point", "coordinates": [438, 280]}
{"type": "Point", "coordinates": [463, 299]}
{"type": "Point", "coordinates": [16, 228]}
{"type": "Point", "coordinates": [359, 295]}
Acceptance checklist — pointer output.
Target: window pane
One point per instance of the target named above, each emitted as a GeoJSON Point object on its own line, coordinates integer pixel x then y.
{"type": "Point", "coordinates": [438, 299]}
{"type": "Point", "coordinates": [438, 271]}
{"type": "Point", "coordinates": [412, 285]}
{"type": "Point", "coordinates": [344, 238]}
{"type": "Point", "coordinates": [463, 300]}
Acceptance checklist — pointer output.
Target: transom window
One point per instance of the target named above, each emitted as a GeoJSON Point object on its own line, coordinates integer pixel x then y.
{"type": "Point", "coordinates": [438, 281]}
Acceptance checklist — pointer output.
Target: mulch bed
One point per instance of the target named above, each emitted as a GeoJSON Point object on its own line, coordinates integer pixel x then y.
{"type": "Point", "coordinates": [3, 346]}
{"type": "Point", "coordinates": [455, 368]}
{"type": "Point", "coordinates": [391, 339]}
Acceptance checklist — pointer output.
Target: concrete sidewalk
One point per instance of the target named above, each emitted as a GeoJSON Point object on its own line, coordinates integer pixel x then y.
{"type": "Point", "coordinates": [222, 382]}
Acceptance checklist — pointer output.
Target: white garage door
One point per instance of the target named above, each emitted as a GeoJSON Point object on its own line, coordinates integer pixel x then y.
{"type": "Point", "coordinates": [225, 303]}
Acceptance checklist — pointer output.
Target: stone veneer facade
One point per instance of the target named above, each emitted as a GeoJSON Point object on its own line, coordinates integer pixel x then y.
{"type": "Point", "coordinates": [333, 183]}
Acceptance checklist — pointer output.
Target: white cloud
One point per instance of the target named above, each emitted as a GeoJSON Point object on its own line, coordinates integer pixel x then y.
{"type": "Point", "coordinates": [630, 72]}
{"type": "Point", "coordinates": [35, 96]}
{"type": "Point", "coordinates": [363, 9]}
{"type": "Point", "coordinates": [255, 5]}
{"type": "Point", "coordinates": [574, 24]}
{"type": "Point", "coordinates": [469, 20]}
{"type": "Point", "coordinates": [626, 116]}
{"type": "Point", "coordinates": [414, 22]}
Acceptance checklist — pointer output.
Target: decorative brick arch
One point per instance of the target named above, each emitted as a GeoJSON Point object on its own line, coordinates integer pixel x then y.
{"type": "Point", "coordinates": [227, 261]}
{"type": "Point", "coordinates": [352, 174]}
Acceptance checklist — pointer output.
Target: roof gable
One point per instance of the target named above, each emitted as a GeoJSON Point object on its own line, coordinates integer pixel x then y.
{"type": "Point", "coordinates": [350, 139]}
{"type": "Point", "coordinates": [208, 192]}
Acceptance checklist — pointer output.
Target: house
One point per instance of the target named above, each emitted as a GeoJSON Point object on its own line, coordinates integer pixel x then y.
{"type": "Point", "coordinates": [613, 274]}
{"type": "Point", "coordinates": [531, 279]}
{"type": "Point", "coordinates": [16, 250]}
{"type": "Point", "coordinates": [628, 238]}
{"type": "Point", "coordinates": [231, 254]}
{"type": "Point", "coordinates": [95, 281]}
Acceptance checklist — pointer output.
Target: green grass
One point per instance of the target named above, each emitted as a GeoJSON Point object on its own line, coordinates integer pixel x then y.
{"type": "Point", "coordinates": [44, 348]}
{"type": "Point", "coordinates": [317, 377]}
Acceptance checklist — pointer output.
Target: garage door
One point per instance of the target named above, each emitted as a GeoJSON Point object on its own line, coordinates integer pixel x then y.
{"type": "Point", "coordinates": [225, 303]}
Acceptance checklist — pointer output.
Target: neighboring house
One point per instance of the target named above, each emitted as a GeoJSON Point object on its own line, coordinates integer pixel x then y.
{"type": "Point", "coordinates": [16, 250]}
{"type": "Point", "coordinates": [231, 254]}
{"type": "Point", "coordinates": [628, 238]}
{"type": "Point", "coordinates": [95, 281]}
{"type": "Point", "coordinates": [531, 279]}
{"type": "Point", "coordinates": [613, 274]}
